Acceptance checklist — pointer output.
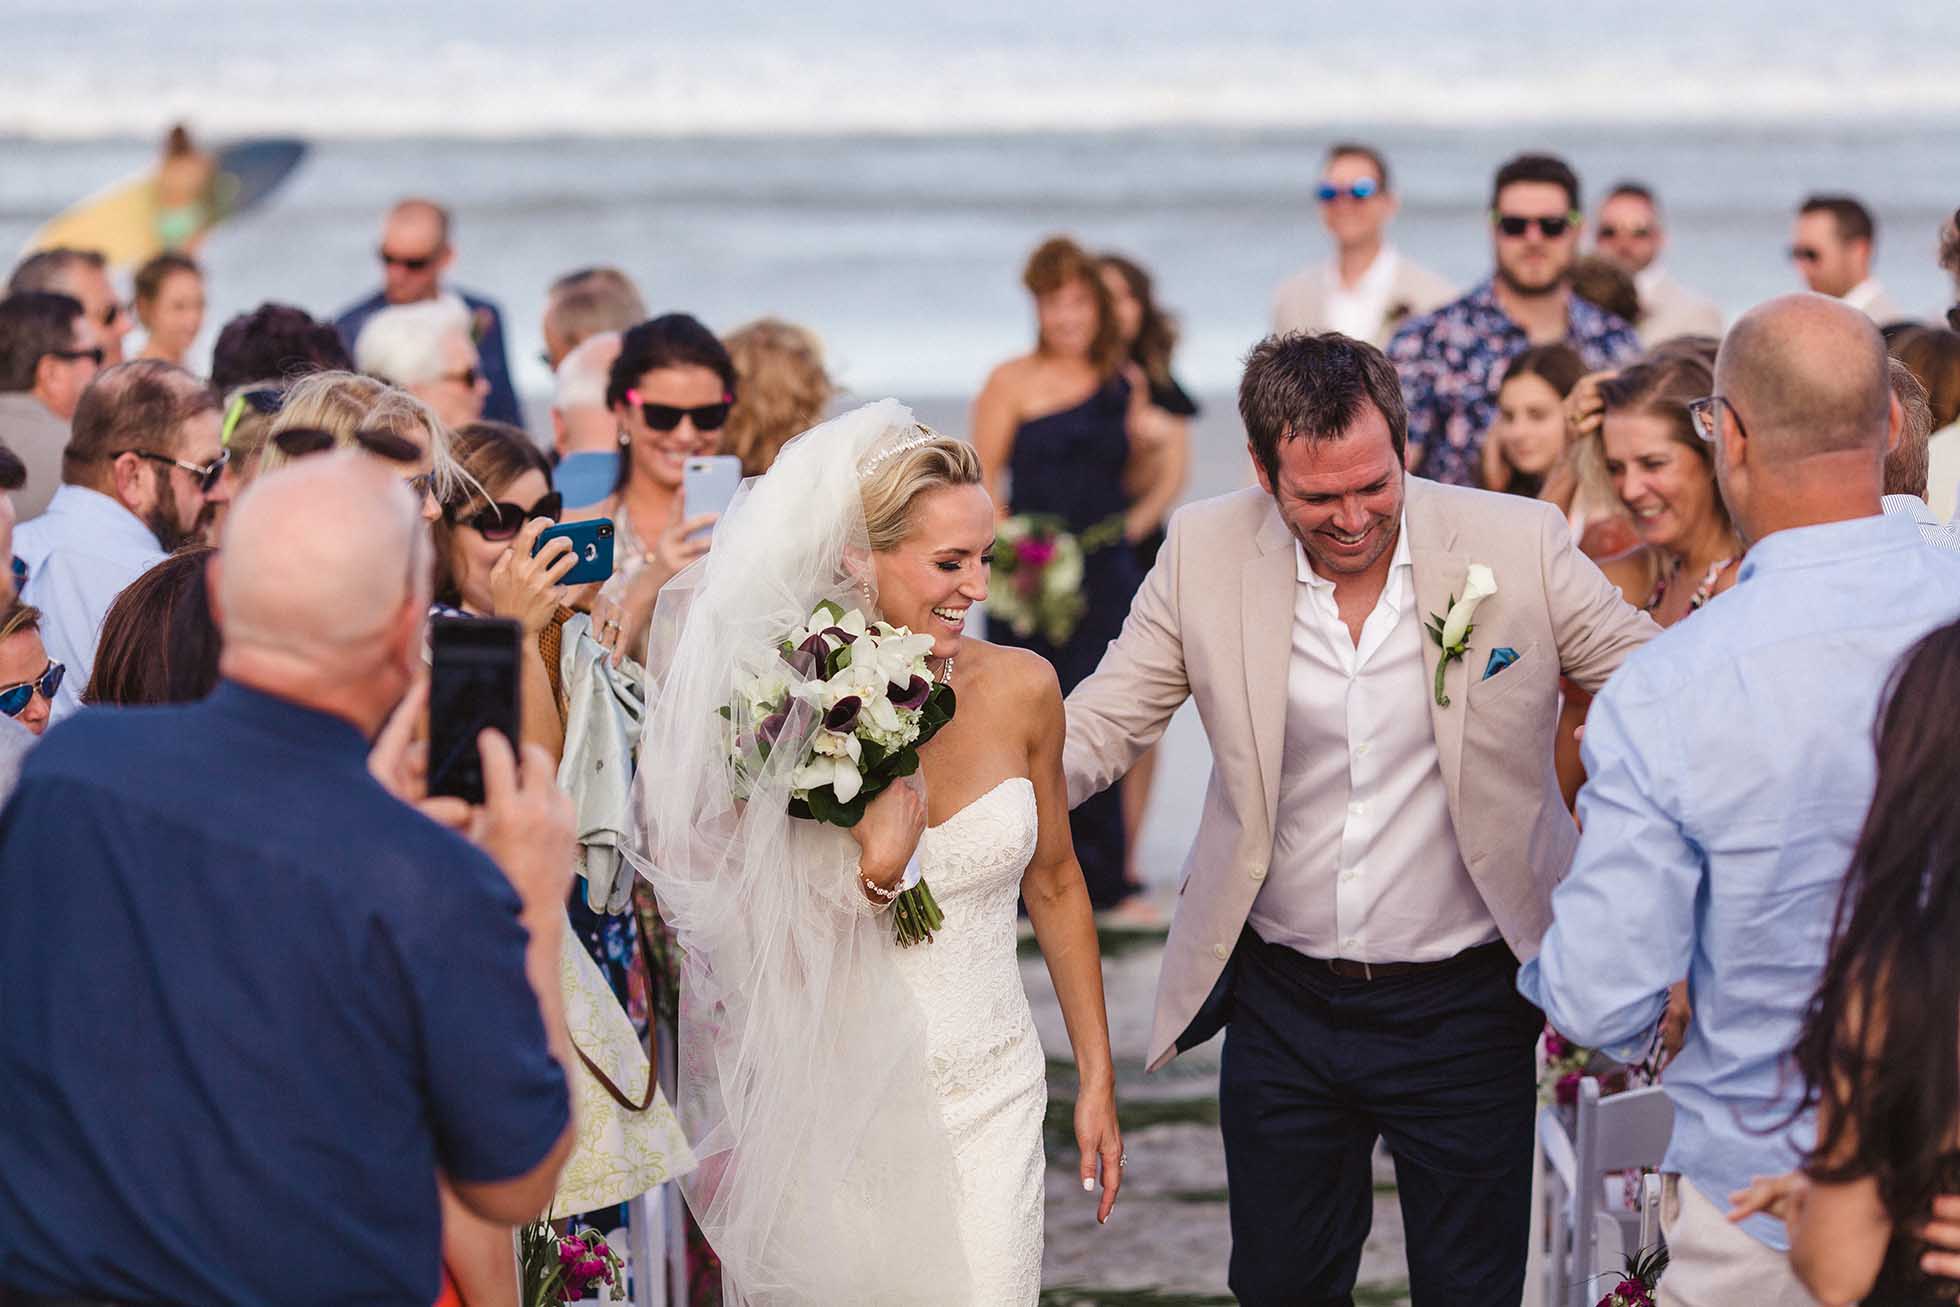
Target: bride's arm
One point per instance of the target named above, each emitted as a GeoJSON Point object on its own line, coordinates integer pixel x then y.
{"type": "Point", "coordinates": [1065, 927]}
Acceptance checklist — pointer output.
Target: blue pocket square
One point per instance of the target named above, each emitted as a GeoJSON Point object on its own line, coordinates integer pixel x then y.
{"type": "Point", "coordinates": [1499, 660]}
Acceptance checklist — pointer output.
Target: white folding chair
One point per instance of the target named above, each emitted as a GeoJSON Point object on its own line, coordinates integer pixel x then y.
{"type": "Point", "coordinates": [1623, 1132]}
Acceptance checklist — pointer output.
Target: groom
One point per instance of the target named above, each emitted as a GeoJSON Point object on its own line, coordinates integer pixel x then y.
{"type": "Point", "coordinates": [1379, 842]}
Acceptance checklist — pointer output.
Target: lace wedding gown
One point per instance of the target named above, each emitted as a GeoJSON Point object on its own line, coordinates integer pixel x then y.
{"type": "Point", "coordinates": [983, 1056]}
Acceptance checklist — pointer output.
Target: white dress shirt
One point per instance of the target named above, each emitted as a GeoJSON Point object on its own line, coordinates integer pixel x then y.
{"type": "Point", "coordinates": [1869, 298]}
{"type": "Point", "coordinates": [1365, 860]}
{"type": "Point", "coordinates": [1359, 312]}
{"type": "Point", "coordinates": [79, 555]}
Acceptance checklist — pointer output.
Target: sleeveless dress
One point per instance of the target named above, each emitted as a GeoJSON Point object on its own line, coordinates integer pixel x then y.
{"type": "Point", "coordinates": [1070, 464]}
{"type": "Point", "coordinates": [983, 1055]}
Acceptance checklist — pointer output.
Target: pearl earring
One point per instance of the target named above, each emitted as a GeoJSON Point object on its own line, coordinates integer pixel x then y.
{"type": "Point", "coordinates": [624, 439]}
{"type": "Point", "coordinates": [865, 586]}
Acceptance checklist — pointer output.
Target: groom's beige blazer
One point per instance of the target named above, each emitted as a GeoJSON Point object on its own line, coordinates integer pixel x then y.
{"type": "Point", "coordinates": [1214, 622]}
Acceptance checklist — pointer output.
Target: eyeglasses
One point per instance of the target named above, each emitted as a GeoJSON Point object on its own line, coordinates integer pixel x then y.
{"type": "Point", "coordinates": [1610, 232]}
{"type": "Point", "coordinates": [111, 313]}
{"type": "Point", "coordinates": [467, 378]}
{"type": "Point", "coordinates": [1706, 416]}
{"type": "Point", "coordinates": [15, 698]}
{"type": "Point", "coordinates": [92, 355]}
{"type": "Point", "coordinates": [665, 417]}
{"type": "Point", "coordinates": [207, 474]}
{"type": "Point", "coordinates": [501, 521]}
{"type": "Point", "coordinates": [1513, 225]}
{"type": "Point", "coordinates": [1806, 253]}
{"type": "Point", "coordinates": [1362, 189]}
{"type": "Point", "coordinates": [417, 263]}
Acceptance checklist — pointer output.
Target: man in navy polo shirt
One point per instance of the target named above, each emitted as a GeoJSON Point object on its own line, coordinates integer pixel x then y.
{"type": "Point", "coordinates": [253, 1005]}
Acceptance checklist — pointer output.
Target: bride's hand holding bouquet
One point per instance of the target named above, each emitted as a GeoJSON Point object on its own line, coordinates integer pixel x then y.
{"type": "Point", "coordinates": [888, 835]}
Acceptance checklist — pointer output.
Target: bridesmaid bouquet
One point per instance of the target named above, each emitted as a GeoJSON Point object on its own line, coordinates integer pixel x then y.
{"type": "Point", "coordinates": [1037, 578]}
{"type": "Point", "coordinates": [856, 700]}
{"type": "Point", "coordinates": [564, 1267]}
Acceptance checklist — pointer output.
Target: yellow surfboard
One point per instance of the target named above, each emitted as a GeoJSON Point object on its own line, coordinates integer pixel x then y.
{"type": "Point", "coordinates": [123, 220]}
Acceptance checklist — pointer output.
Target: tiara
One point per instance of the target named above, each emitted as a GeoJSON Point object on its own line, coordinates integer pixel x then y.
{"type": "Point", "coordinates": [925, 437]}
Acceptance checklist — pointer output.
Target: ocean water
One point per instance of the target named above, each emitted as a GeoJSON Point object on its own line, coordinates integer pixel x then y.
{"type": "Point", "coordinates": [879, 172]}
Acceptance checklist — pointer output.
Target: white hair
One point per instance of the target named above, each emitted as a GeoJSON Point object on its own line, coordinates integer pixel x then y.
{"type": "Point", "coordinates": [582, 374]}
{"type": "Point", "coordinates": [402, 343]}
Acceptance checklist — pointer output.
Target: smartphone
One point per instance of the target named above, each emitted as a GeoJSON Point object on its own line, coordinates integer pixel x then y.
{"type": "Point", "coordinates": [592, 543]}
{"type": "Point", "coordinates": [708, 484]}
{"type": "Point", "coordinates": [473, 685]}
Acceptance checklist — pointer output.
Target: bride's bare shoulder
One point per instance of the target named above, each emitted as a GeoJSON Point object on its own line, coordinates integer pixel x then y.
{"type": "Point", "coordinates": [1009, 681]}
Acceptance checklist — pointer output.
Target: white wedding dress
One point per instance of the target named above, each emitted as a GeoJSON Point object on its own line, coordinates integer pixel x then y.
{"type": "Point", "coordinates": [982, 1054]}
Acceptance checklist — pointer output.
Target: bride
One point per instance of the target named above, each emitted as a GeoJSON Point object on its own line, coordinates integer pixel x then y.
{"type": "Point", "coordinates": [868, 1117]}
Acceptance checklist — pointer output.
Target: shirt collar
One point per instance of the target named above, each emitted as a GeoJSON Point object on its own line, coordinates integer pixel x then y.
{"type": "Point", "coordinates": [1828, 542]}
{"type": "Point", "coordinates": [1864, 293]}
{"type": "Point", "coordinates": [1911, 507]}
{"type": "Point", "coordinates": [1303, 570]}
{"type": "Point", "coordinates": [295, 724]}
{"type": "Point", "coordinates": [102, 514]}
{"type": "Point", "coordinates": [1377, 281]}
{"type": "Point", "coordinates": [1584, 320]}
{"type": "Point", "coordinates": [1649, 278]}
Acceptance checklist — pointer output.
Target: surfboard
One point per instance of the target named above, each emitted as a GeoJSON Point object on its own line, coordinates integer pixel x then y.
{"type": "Point", "coordinates": [121, 221]}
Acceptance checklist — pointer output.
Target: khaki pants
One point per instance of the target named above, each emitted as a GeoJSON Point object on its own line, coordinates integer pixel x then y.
{"type": "Point", "coordinates": [1712, 1263]}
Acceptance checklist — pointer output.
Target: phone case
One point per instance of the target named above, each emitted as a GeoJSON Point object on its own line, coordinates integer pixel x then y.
{"type": "Point", "coordinates": [593, 543]}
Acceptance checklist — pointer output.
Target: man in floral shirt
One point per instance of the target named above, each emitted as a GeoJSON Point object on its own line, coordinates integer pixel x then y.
{"type": "Point", "coordinates": [1452, 360]}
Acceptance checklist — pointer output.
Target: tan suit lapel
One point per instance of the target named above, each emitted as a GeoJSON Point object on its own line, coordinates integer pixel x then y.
{"type": "Point", "coordinates": [1439, 572]}
{"type": "Point", "coordinates": [1266, 635]}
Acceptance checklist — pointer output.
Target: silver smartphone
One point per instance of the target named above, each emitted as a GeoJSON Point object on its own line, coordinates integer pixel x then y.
{"type": "Point", "coordinates": [709, 483]}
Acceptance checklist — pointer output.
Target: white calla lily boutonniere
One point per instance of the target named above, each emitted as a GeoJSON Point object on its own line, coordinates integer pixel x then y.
{"type": "Point", "coordinates": [1451, 630]}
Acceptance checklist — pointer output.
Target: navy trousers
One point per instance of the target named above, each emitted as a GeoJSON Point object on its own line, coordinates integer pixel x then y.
{"type": "Point", "coordinates": [1438, 1063]}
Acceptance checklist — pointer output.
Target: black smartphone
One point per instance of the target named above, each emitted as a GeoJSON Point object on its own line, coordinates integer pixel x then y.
{"type": "Point", "coordinates": [473, 685]}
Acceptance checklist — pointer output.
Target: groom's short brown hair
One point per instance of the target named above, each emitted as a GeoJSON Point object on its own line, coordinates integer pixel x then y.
{"type": "Point", "coordinates": [1312, 387]}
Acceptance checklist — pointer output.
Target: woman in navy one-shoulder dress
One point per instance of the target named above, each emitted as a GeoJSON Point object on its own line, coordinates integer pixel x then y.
{"type": "Point", "coordinates": [1056, 422]}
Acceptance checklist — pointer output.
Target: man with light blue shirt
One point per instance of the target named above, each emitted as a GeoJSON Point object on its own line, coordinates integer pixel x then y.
{"type": "Point", "coordinates": [1731, 766]}
{"type": "Point", "coordinates": [141, 476]}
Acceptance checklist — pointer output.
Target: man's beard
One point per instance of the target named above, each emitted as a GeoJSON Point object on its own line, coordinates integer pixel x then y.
{"type": "Point", "coordinates": [1516, 287]}
{"type": "Point", "coordinates": [163, 518]}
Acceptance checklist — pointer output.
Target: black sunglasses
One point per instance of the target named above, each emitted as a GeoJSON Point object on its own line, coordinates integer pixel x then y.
{"type": "Point", "coordinates": [501, 521]}
{"type": "Point", "coordinates": [298, 442]}
{"type": "Point", "coordinates": [1553, 228]}
{"type": "Point", "coordinates": [419, 263]}
{"type": "Point", "coordinates": [1806, 253]}
{"type": "Point", "coordinates": [665, 417]}
{"type": "Point", "coordinates": [1953, 317]}
{"type": "Point", "coordinates": [466, 378]}
{"type": "Point", "coordinates": [1609, 231]}
{"type": "Point", "coordinates": [207, 474]}
{"type": "Point", "coordinates": [92, 355]}
{"type": "Point", "coordinates": [15, 698]}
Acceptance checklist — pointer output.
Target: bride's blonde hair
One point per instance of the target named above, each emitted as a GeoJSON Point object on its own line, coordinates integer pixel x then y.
{"type": "Point", "coordinates": [924, 460]}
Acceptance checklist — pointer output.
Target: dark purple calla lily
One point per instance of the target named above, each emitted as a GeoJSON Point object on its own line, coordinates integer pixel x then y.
{"type": "Point", "coordinates": [910, 697]}
{"type": "Point", "coordinates": [770, 727]}
{"type": "Point", "coordinates": [815, 646]}
{"type": "Point", "coordinates": [839, 633]}
{"type": "Point", "coordinates": [803, 663]}
{"type": "Point", "coordinates": [843, 714]}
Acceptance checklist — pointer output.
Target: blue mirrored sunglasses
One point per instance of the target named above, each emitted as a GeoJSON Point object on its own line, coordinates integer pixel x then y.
{"type": "Point", "coordinates": [1361, 190]}
{"type": "Point", "coordinates": [15, 698]}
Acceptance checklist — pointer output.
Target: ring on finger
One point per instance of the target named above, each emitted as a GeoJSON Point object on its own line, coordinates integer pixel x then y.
{"type": "Point", "coordinates": [1122, 1161]}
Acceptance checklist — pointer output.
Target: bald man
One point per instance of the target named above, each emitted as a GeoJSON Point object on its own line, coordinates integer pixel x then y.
{"type": "Point", "coordinates": [248, 987]}
{"type": "Point", "coordinates": [415, 253]}
{"type": "Point", "coordinates": [1731, 768]}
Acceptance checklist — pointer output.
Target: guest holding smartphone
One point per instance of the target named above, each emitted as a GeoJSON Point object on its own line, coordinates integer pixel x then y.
{"type": "Point", "coordinates": [671, 389]}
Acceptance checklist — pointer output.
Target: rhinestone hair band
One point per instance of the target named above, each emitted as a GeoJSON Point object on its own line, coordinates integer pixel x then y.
{"type": "Point", "coordinates": [925, 437]}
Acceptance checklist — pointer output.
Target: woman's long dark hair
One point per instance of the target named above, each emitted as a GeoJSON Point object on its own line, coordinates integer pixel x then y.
{"type": "Point", "coordinates": [1880, 1048]}
{"type": "Point", "coordinates": [1156, 329]}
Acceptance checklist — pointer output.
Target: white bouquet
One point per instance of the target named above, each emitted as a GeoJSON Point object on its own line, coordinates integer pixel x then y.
{"type": "Point", "coordinates": [856, 701]}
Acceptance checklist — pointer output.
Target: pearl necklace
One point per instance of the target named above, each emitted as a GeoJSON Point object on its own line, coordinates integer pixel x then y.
{"type": "Point", "coordinates": [945, 676]}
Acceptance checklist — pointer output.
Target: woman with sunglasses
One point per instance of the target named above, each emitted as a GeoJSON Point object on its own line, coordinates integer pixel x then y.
{"type": "Point", "coordinates": [671, 390]}
{"type": "Point", "coordinates": [485, 568]}
{"type": "Point", "coordinates": [484, 564]}
{"type": "Point", "coordinates": [28, 677]}
{"type": "Point", "coordinates": [352, 410]}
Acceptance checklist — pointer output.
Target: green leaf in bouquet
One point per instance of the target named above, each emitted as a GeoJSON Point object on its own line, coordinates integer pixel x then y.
{"type": "Point", "coordinates": [902, 763]}
{"type": "Point", "coordinates": [727, 713]}
{"type": "Point", "coordinates": [840, 658]}
{"type": "Point", "coordinates": [830, 610]}
{"type": "Point", "coordinates": [873, 754]}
